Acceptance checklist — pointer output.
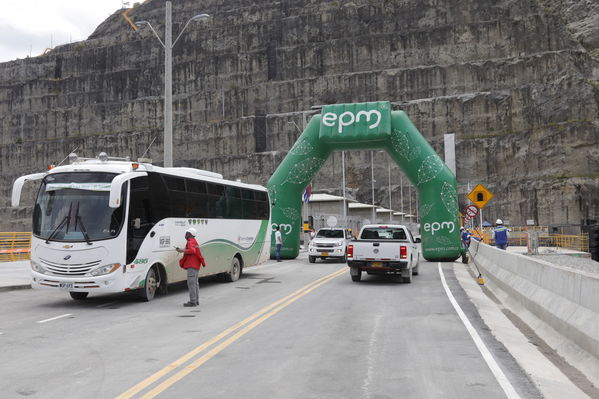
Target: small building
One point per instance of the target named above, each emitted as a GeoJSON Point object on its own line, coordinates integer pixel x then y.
{"type": "Point", "coordinates": [384, 215]}
{"type": "Point", "coordinates": [361, 212]}
{"type": "Point", "coordinates": [326, 210]}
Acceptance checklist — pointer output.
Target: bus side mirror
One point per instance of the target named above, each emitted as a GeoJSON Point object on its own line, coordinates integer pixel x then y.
{"type": "Point", "coordinates": [417, 240]}
{"type": "Point", "coordinates": [137, 223]}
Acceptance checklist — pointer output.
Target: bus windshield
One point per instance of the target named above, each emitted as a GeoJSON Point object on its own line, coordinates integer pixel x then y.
{"type": "Point", "coordinates": [74, 207]}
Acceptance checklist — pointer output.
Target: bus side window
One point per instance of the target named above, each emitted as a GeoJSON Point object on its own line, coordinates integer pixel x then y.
{"type": "Point", "coordinates": [196, 199]}
{"type": "Point", "coordinates": [216, 200]}
{"type": "Point", "coordinates": [177, 195]}
{"type": "Point", "coordinates": [139, 203]}
{"type": "Point", "coordinates": [140, 208]}
{"type": "Point", "coordinates": [250, 207]}
{"type": "Point", "coordinates": [158, 198]}
{"type": "Point", "coordinates": [233, 208]}
{"type": "Point", "coordinates": [262, 205]}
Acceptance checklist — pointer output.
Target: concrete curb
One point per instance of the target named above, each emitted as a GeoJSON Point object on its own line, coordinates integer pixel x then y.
{"type": "Point", "coordinates": [15, 287]}
{"type": "Point", "coordinates": [564, 298]}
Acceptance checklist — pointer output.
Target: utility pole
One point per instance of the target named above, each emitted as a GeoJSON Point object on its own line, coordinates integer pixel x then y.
{"type": "Point", "coordinates": [401, 196]}
{"type": "Point", "coordinates": [168, 87]}
{"type": "Point", "coordinates": [390, 209]}
{"type": "Point", "coordinates": [343, 183]}
{"type": "Point", "coordinates": [372, 181]}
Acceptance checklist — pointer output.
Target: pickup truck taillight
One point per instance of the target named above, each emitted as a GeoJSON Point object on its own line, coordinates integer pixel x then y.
{"type": "Point", "coordinates": [403, 252]}
{"type": "Point", "coordinates": [350, 251]}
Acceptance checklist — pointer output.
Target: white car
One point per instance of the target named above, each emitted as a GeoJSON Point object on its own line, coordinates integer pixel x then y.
{"type": "Point", "coordinates": [329, 243]}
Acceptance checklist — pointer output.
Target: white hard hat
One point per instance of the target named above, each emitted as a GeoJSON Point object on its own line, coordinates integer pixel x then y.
{"type": "Point", "coordinates": [499, 221]}
{"type": "Point", "coordinates": [191, 231]}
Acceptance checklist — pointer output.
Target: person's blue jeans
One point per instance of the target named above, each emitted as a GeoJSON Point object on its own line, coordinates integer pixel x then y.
{"type": "Point", "coordinates": [501, 246]}
{"type": "Point", "coordinates": [278, 252]}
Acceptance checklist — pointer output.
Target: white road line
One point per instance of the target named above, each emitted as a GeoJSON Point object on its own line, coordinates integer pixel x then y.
{"type": "Point", "coordinates": [54, 318]}
{"type": "Point", "coordinates": [505, 384]}
{"type": "Point", "coordinates": [372, 348]}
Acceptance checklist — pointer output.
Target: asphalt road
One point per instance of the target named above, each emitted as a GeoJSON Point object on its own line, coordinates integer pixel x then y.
{"type": "Point", "coordinates": [285, 330]}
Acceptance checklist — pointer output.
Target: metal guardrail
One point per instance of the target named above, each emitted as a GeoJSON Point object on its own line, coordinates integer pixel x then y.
{"type": "Point", "coordinates": [14, 246]}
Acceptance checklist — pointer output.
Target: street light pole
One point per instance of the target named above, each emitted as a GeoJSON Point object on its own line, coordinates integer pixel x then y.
{"type": "Point", "coordinates": [168, 45]}
{"type": "Point", "coordinates": [168, 87]}
{"type": "Point", "coordinates": [401, 196]}
{"type": "Point", "coordinates": [343, 182]}
{"type": "Point", "coordinates": [410, 195]}
{"type": "Point", "coordinates": [372, 181]}
{"type": "Point", "coordinates": [390, 208]}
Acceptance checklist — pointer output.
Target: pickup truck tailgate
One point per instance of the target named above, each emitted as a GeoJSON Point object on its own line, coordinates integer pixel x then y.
{"type": "Point", "coordinates": [365, 250]}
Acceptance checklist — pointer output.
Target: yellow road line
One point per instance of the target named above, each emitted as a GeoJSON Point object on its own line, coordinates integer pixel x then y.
{"type": "Point", "coordinates": [213, 352]}
{"type": "Point", "coordinates": [283, 302]}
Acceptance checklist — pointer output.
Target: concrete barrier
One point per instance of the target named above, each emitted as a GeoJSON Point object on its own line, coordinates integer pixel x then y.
{"type": "Point", "coordinates": [565, 299]}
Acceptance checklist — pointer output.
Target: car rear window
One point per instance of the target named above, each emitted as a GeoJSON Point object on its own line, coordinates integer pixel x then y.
{"type": "Point", "coordinates": [379, 233]}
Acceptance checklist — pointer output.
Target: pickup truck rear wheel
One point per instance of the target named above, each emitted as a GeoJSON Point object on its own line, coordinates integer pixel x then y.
{"type": "Point", "coordinates": [407, 279]}
{"type": "Point", "coordinates": [311, 259]}
{"type": "Point", "coordinates": [356, 274]}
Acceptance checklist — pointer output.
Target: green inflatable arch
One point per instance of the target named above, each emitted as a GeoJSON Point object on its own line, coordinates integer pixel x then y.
{"type": "Point", "coordinates": [368, 126]}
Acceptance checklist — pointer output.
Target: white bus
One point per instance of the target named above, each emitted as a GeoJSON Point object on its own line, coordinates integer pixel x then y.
{"type": "Point", "coordinates": [108, 225]}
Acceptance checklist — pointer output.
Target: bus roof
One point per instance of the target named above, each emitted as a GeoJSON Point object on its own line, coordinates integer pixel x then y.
{"type": "Point", "coordinates": [118, 167]}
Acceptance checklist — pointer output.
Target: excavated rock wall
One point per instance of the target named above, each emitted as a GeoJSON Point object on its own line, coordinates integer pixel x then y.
{"type": "Point", "coordinates": [515, 80]}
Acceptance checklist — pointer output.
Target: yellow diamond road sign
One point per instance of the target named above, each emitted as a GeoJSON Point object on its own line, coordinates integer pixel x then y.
{"type": "Point", "coordinates": [480, 196]}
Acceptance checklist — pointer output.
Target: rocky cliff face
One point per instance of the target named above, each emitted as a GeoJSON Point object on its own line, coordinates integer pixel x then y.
{"type": "Point", "coordinates": [515, 80]}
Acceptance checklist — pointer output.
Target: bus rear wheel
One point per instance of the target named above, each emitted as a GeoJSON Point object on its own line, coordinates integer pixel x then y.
{"type": "Point", "coordinates": [235, 272]}
{"type": "Point", "coordinates": [152, 282]}
{"type": "Point", "coordinates": [78, 295]}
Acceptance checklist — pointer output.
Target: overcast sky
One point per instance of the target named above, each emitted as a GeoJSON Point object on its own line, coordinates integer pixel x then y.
{"type": "Point", "coordinates": [31, 26]}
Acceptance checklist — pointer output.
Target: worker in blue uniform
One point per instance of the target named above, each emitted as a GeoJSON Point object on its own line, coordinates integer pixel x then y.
{"type": "Point", "coordinates": [501, 235]}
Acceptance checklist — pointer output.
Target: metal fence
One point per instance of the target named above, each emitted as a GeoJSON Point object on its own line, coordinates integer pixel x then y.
{"type": "Point", "coordinates": [17, 245]}
{"type": "Point", "coordinates": [14, 246]}
{"type": "Point", "coordinates": [519, 237]}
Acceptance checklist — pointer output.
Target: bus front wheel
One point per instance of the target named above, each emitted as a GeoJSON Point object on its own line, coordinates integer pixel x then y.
{"type": "Point", "coordinates": [235, 272]}
{"type": "Point", "coordinates": [78, 295]}
{"type": "Point", "coordinates": [151, 284]}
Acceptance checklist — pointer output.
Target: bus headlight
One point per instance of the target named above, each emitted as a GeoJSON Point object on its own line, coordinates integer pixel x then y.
{"type": "Point", "coordinates": [339, 243]}
{"type": "Point", "coordinates": [106, 269]}
{"type": "Point", "coordinates": [36, 267]}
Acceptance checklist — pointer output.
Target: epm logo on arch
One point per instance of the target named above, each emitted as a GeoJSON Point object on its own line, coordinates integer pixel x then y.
{"type": "Point", "coordinates": [350, 122]}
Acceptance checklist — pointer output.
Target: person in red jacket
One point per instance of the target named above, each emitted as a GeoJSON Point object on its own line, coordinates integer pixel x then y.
{"type": "Point", "coordinates": [192, 261]}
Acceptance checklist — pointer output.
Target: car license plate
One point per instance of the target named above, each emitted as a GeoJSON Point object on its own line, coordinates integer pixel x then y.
{"type": "Point", "coordinates": [325, 254]}
{"type": "Point", "coordinates": [377, 264]}
{"type": "Point", "coordinates": [65, 286]}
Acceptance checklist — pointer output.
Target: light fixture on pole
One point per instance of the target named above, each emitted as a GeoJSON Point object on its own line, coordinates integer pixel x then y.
{"type": "Point", "coordinates": [168, 45]}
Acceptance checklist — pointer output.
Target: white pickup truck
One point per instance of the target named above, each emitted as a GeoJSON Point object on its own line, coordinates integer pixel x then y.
{"type": "Point", "coordinates": [384, 249]}
{"type": "Point", "coordinates": [329, 243]}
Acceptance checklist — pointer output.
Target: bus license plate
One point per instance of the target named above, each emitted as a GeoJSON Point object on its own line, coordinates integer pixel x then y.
{"type": "Point", "coordinates": [65, 286]}
{"type": "Point", "coordinates": [325, 254]}
{"type": "Point", "coordinates": [377, 264]}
